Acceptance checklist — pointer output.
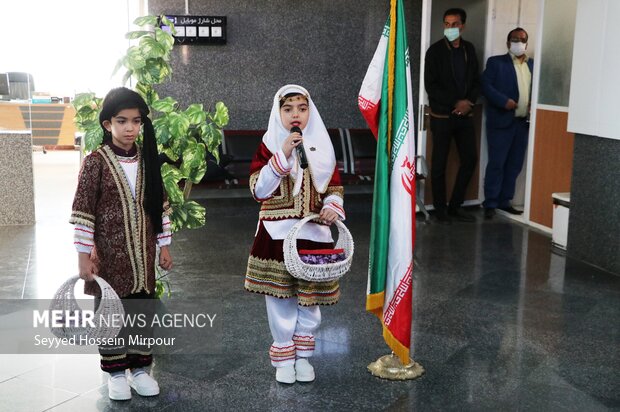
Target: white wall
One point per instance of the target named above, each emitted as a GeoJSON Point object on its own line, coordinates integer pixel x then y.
{"type": "Point", "coordinates": [510, 14]}
{"type": "Point", "coordinates": [594, 91]}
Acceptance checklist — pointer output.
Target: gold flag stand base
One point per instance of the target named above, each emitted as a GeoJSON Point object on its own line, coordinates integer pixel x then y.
{"type": "Point", "coordinates": [390, 367]}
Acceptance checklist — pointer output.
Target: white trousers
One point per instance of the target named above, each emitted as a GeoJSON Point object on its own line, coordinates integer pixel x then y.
{"type": "Point", "coordinates": [292, 327]}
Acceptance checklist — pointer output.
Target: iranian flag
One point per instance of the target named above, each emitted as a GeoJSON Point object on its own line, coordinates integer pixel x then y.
{"type": "Point", "coordinates": [385, 100]}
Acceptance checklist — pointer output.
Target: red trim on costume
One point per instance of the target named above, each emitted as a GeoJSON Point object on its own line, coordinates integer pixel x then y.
{"type": "Point", "coordinates": [112, 365]}
{"type": "Point", "coordinates": [84, 230]}
{"type": "Point", "coordinates": [318, 293]}
{"type": "Point", "coordinates": [275, 169]}
{"type": "Point", "coordinates": [336, 206]}
{"type": "Point", "coordinates": [283, 347]}
{"type": "Point", "coordinates": [320, 251]}
{"type": "Point", "coordinates": [303, 337]}
{"type": "Point", "coordinates": [283, 169]}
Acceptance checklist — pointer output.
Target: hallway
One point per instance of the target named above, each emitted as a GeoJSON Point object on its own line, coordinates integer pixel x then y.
{"type": "Point", "coordinates": [499, 323]}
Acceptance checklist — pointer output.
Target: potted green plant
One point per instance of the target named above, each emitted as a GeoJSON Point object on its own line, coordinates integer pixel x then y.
{"type": "Point", "coordinates": [184, 136]}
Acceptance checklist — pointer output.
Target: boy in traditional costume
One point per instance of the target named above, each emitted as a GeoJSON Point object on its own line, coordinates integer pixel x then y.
{"type": "Point", "coordinates": [287, 193]}
{"type": "Point", "coordinates": [119, 218]}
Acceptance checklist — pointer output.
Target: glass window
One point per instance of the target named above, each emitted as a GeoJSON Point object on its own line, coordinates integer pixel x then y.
{"type": "Point", "coordinates": [557, 52]}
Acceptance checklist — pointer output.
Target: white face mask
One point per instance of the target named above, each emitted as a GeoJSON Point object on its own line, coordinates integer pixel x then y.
{"type": "Point", "coordinates": [518, 48]}
{"type": "Point", "coordinates": [452, 33]}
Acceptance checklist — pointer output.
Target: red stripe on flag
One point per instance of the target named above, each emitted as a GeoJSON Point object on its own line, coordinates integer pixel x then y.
{"type": "Point", "coordinates": [370, 111]}
{"type": "Point", "coordinates": [397, 317]}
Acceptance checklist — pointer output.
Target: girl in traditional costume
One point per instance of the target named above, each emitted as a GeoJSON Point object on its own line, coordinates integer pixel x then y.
{"type": "Point", "coordinates": [118, 211]}
{"type": "Point", "coordinates": [288, 193]}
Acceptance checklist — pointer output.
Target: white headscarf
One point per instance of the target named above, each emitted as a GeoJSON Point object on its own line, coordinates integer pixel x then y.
{"type": "Point", "coordinates": [317, 144]}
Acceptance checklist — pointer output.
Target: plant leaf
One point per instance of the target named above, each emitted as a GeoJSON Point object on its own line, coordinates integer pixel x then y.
{"type": "Point", "coordinates": [166, 105]}
{"type": "Point", "coordinates": [147, 92]}
{"type": "Point", "coordinates": [146, 20]}
{"type": "Point", "coordinates": [135, 58]}
{"type": "Point", "coordinates": [159, 289]}
{"type": "Point", "coordinates": [221, 115]}
{"type": "Point", "coordinates": [161, 130]}
{"type": "Point", "coordinates": [137, 34]}
{"type": "Point", "coordinates": [170, 175]}
{"type": "Point", "coordinates": [212, 136]}
{"type": "Point", "coordinates": [179, 123]}
{"type": "Point", "coordinates": [194, 163]}
{"type": "Point", "coordinates": [166, 21]}
{"type": "Point", "coordinates": [170, 153]}
{"type": "Point", "coordinates": [178, 217]}
{"type": "Point", "coordinates": [196, 114]}
{"type": "Point", "coordinates": [165, 39]}
{"type": "Point", "coordinates": [93, 137]}
{"type": "Point", "coordinates": [151, 48]}
{"type": "Point", "coordinates": [83, 99]}
{"type": "Point", "coordinates": [190, 215]}
{"type": "Point", "coordinates": [195, 215]}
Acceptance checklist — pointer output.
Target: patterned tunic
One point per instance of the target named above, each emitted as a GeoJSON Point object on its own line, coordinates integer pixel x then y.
{"type": "Point", "coordinates": [123, 233]}
{"type": "Point", "coordinates": [266, 272]}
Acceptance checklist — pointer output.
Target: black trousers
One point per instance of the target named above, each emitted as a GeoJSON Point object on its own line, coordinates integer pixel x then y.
{"type": "Point", "coordinates": [461, 129]}
{"type": "Point", "coordinates": [128, 356]}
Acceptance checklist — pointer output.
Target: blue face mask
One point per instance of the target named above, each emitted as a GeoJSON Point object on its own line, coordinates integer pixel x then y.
{"type": "Point", "coordinates": [451, 33]}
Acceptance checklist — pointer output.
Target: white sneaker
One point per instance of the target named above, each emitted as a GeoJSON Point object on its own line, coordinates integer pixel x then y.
{"type": "Point", "coordinates": [285, 374]}
{"type": "Point", "coordinates": [144, 384]}
{"type": "Point", "coordinates": [118, 388]}
{"type": "Point", "coordinates": [304, 372]}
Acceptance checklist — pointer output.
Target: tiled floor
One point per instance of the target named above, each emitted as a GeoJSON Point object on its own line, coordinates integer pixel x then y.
{"type": "Point", "coordinates": [500, 322]}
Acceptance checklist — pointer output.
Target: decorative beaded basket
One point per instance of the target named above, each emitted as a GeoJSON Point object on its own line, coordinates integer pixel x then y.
{"type": "Point", "coordinates": [324, 272]}
{"type": "Point", "coordinates": [110, 307]}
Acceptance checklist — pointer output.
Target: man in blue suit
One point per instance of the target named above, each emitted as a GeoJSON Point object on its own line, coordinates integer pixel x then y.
{"type": "Point", "coordinates": [506, 84]}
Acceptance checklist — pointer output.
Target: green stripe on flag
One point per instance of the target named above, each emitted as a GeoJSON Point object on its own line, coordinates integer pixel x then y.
{"type": "Point", "coordinates": [400, 119]}
{"type": "Point", "coordinates": [380, 225]}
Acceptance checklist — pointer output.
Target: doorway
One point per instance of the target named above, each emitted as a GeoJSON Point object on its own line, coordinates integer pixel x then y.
{"type": "Point", "coordinates": [488, 22]}
{"type": "Point", "coordinates": [432, 31]}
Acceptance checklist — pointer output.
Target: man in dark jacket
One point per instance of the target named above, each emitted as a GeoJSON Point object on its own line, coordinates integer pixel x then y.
{"type": "Point", "coordinates": [451, 78]}
{"type": "Point", "coordinates": [506, 83]}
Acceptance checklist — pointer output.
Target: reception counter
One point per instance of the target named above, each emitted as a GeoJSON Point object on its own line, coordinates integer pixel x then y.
{"type": "Point", "coordinates": [51, 124]}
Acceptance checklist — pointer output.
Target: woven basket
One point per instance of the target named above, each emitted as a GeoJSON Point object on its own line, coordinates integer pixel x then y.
{"type": "Point", "coordinates": [317, 273]}
{"type": "Point", "coordinates": [110, 308]}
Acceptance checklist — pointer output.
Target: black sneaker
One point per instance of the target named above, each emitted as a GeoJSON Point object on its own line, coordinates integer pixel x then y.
{"type": "Point", "coordinates": [489, 212]}
{"type": "Point", "coordinates": [511, 210]}
{"type": "Point", "coordinates": [461, 215]}
{"type": "Point", "coordinates": [442, 217]}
